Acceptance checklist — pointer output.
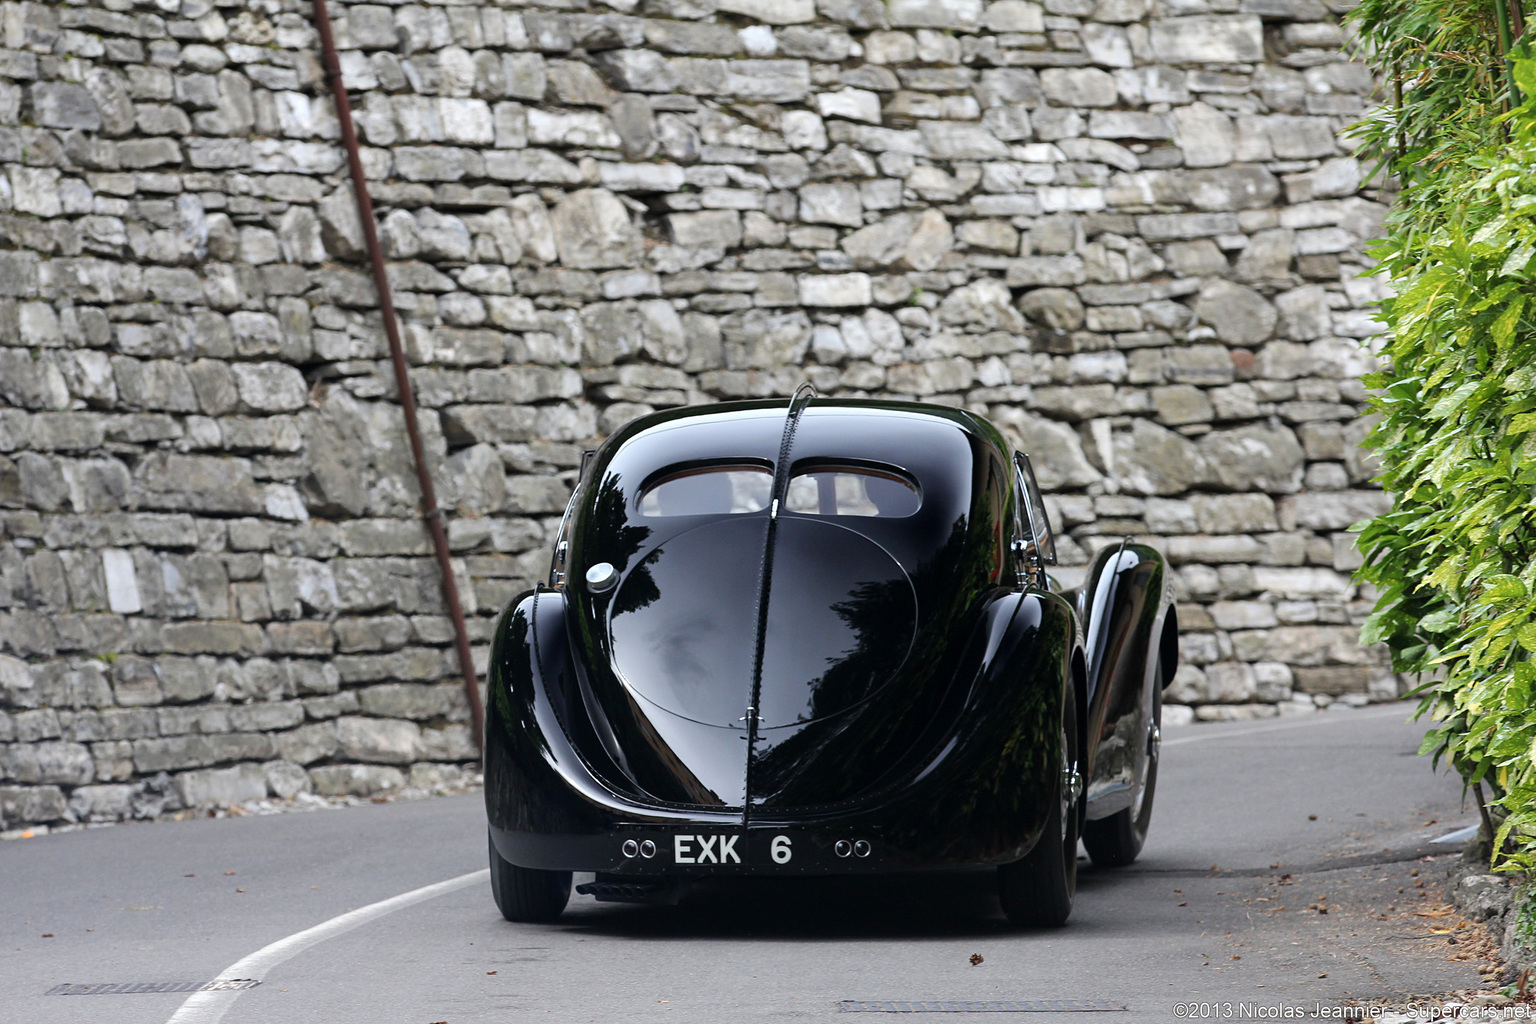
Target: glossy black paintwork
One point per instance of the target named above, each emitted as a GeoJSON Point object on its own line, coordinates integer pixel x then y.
{"type": "Point", "coordinates": [1125, 600]}
{"type": "Point", "coordinates": [910, 684]}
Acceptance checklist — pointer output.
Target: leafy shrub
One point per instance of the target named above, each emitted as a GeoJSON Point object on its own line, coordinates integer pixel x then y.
{"type": "Point", "coordinates": [1455, 557]}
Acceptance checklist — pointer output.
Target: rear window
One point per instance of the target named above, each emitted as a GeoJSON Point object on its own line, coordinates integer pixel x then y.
{"type": "Point", "coordinates": [710, 491]}
{"type": "Point", "coordinates": [851, 491]}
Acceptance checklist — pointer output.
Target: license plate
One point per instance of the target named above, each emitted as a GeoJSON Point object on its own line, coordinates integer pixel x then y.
{"type": "Point", "coordinates": [717, 848]}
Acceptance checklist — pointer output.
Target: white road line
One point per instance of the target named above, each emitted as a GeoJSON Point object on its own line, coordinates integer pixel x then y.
{"type": "Point", "coordinates": [210, 1007]}
{"type": "Point", "coordinates": [1400, 710]}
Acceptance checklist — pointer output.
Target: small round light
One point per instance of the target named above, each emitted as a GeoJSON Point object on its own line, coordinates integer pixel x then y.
{"type": "Point", "coordinates": [842, 848]}
{"type": "Point", "coordinates": [601, 577]}
{"type": "Point", "coordinates": [647, 849]}
{"type": "Point", "coordinates": [861, 848]}
{"type": "Point", "coordinates": [631, 848]}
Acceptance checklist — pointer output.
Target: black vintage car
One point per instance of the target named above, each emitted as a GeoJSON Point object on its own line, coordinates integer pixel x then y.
{"type": "Point", "coordinates": [819, 640]}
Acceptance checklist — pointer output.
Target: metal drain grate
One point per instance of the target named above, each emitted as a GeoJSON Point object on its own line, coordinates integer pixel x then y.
{"type": "Point", "coordinates": [978, 1006]}
{"type": "Point", "coordinates": [129, 988]}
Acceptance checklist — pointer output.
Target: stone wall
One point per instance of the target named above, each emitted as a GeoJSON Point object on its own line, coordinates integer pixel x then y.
{"type": "Point", "coordinates": [1124, 229]}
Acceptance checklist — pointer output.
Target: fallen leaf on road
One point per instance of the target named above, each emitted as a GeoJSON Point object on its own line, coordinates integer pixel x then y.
{"type": "Point", "coordinates": [490, 972]}
{"type": "Point", "coordinates": [976, 958]}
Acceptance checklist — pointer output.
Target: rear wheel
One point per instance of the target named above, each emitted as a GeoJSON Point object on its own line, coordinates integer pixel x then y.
{"type": "Point", "coordinates": [1037, 891]}
{"type": "Point", "coordinates": [1116, 841]}
{"type": "Point", "coordinates": [528, 894]}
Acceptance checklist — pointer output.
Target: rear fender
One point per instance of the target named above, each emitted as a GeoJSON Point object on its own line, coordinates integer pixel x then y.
{"type": "Point", "coordinates": [1124, 602]}
{"type": "Point", "coordinates": [999, 766]}
{"type": "Point", "coordinates": [537, 786]}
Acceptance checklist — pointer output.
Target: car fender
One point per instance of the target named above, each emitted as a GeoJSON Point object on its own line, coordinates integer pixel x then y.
{"type": "Point", "coordinates": [537, 785]}
{"type": "Point", "coordinates": [1131, 630]}
{"type": "Point", "coordinates": [997, 762]}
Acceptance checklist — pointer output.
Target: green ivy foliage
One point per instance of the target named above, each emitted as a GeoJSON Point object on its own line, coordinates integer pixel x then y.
{"type": "Point", "coordinates": [1454, 560]}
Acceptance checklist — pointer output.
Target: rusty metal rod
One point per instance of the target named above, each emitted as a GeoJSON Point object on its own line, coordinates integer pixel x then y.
{"type": "Point", "coordinates": [430, 512]}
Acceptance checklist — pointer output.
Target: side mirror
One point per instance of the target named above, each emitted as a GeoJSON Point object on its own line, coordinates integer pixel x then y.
{"type": "Point", "coordinates": [1044, 541]}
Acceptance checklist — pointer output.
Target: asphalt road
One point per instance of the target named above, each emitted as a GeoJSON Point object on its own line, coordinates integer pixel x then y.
{"type": "Point", "coordinates": [186, 901]}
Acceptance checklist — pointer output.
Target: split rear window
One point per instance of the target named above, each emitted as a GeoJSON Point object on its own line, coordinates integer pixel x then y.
{"type": "Point", "coordinates": [822, 490]}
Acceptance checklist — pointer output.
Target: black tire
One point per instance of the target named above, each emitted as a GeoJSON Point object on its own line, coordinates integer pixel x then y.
{"type": "Point", "coordinates": [1036, 891]}
{"type": "Point", "coordinates": [1116, 841]}
{"type": "Point", "coordinates": [528, 894]}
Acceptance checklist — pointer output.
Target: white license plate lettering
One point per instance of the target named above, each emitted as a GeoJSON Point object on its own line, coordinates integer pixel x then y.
{"type": "Point", "coordinates": [705, 850]}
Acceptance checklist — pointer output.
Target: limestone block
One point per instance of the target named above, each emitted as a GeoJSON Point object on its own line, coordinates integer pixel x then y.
{"type": "Point", "coordinates": [371, 27]}
{"type": "Point", "coordinates": [197, 484]}
{"type": "Point", "coordinates": [101, 803]}
{"type": "Point", "coordinates": [762, 338]}
{"type": "Point", "coordinates": [1054, 449]}
{"type": "Point", "coordinates": [1240, 315]}
{"type": "Point", "coordinates": [953, 140]}
{"type": "Point", "coordinates": [992, 235]}
{"type": "Point", "coordinates": [64, 105]}
{"type": "Point", "coordinates": [50, 763]}
{"type": "Point", "coordinates": [1059, 271]}
{"type": "Point", "coordinates": [1337, 510]}
{"type": "Point", "coordinates": [1255, 458]}
{"type": "Point", "coordinates": [854, 104]}
{"type": "Point", "coordinates": [1079, 87]}
{"type": "Point", "coordinates": [415, 701]}
{"type": "Point", "coordinates": [1300, 138]}
{"type": "Point", "coordinates": [308, 743]}
{"type": "Point", "coordinates": [1204, 135]}
{"type": "Point", "coordinates": [593, 230]}
{"type": "Point", "coordinates": [473, 480]}
{"type": "Point", "coordinates": [767, 81]}
{"type": "Point", "coordinates": [835, 290]}
{"type": "Point", "coordinates": [384, 740]}
{"type": "Point", "coordinates": [222, 787]}
{"type": "Point", "coordinates": [35, 190]}
{"type": "Point", "coordinates": [31, 805]}
{"type": "Point", "coordinates": [1128, 124]}
{"type": "Point", "coordinates": [1108, 45]}
{"type": "Point", "coordinates": [1015, 16]}
{"type": "Point", "coordinates": [1198, 39]}
{"type": "Point", "coordinates": [114, 105]}
{"type": "Point", "coordinates": [269, 387]}
{"type": "Point", "coordinates": [773, 12]}
{"type": "Point", "coordinates": [1235, 513]}
{"type": "Point", "coordinates": [831, 204]}
{"type": "Point", "coordinates": [692, 37]}
{"type": "Point", "coordinates": [632, 70]}
{"type": "Point", "coordinates": [1180, 404]}
{"type": "Point", "coordinates": [16, 683]}
{"type": "Point", "coordinates": [1058, 309]}
{"type": "Point", "coordinates": [1149, 459]}
{"type": "Point", "coordinates": [985, 304]}
{"type": "Point", "coordinates": [355, 779]}
{"type": "Point", "coordinates": [1267, 256]}
{"type": "Point", "coordinates": [961, 15]}
{"type": "Point", "coordinates": [862, 14]}
{"type": "Point", "coordinates": [286, 780]}
{"type": "Point", "coordinates": [715, 229]}
{"type": "Point", "coordinates": [582, 128]}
